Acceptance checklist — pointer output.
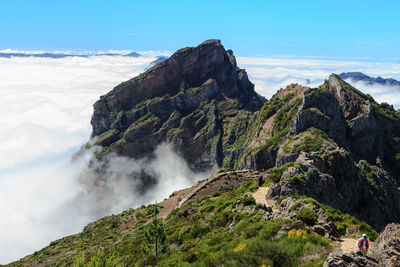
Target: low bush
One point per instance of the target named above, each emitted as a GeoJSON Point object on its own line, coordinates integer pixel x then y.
{"type": "Point", "coordinates": [248, 200]}
{"type": "Point", "coordinates": [307, 215]}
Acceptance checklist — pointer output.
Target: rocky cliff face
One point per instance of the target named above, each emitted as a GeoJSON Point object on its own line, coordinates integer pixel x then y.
{"type": "Point", "coordinates": [186, 100]}
{"type": "Point", "coordinates": [387, 246]}
{"type": "Point", "coordinates": [345, 147]}
{"type": "Point", "coordinates": [385, 251]}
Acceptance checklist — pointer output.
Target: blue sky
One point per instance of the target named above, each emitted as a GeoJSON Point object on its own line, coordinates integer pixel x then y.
{"type": "Point", "coordinates": [251, 28]}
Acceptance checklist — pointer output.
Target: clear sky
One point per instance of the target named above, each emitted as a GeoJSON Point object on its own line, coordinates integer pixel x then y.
{"type": "Point", "coordinates": [252, 28]}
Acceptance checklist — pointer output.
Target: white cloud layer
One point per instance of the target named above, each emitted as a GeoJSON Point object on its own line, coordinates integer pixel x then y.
{"type": "Point", "coordinates": [45, 110]}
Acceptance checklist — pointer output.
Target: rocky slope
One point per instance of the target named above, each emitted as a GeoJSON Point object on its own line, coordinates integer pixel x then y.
{"type": "Point", "coordinates": [323, 155]}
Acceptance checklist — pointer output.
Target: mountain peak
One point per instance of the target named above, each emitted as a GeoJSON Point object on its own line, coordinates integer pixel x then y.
{"type": "Point", "coordinates": [350, 99]}
{"type": "Point", "coordinates": [202, 83]}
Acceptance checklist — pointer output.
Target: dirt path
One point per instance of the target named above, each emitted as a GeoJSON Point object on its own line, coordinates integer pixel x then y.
{"type": "Point", "coordinates": [200, 185]}
{"type": "Point", "coordinates": [179, 198]}
{"type": "Point", "coordinates": [172, 202]}
{"type": "Point", "coordinates": [259, 196]}
{"type": "Point", "coordinates": [348, 244]}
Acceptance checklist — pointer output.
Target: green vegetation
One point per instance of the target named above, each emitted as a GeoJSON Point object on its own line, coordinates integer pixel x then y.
{"type": "Point", "coordinates": [284, 116]}
{"type": "Point", "coordinates": [106, 135]}
{"type": "Point", "coordinates": [193, 91]}
{"type": "Point", "coordinates": [101, 259]}
{"type": "Point", "coordinates": [295, 206]}
{"type": "Point", "coordinates": [236, 128]}
{"type": "Point", "coordinates": [248, 200]}
{"type": "Point", "coordinates": [340, 219]}
{"type": "Point", "coordinates": [282, 122]}
{"type": "Point", "coordinates": [387, 111]}
{"type": "Point", "coordinates": [308, 216]}
{"type": "Point", "coordinates": [197, 234]}
{"type": "Point", "coordinates": [155, 233]}
{"type": "Point", "coordinates": [276, 172]}
{"type": "Point", "coordinates": [297, 179]}
{"type": "Point", "coordinates": [312, 139]}
{"type": "Point", "coordinates": [272, 106]}
{"type": "Point", "coordinates": [102, 153]}
{"type": "Point", "coordinates": [147, 101]}
{"type": "Point", "coordinates": [330, 156]}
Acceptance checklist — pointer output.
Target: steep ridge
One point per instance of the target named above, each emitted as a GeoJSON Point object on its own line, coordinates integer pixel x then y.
{"type": "Point", "coordinates": [329, 156]}
{"type": "Point", "coordinates": [187, 100]}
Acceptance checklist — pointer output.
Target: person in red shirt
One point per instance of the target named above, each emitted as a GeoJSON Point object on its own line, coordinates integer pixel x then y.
{"type": "Point", "coordinates": [363, 244]}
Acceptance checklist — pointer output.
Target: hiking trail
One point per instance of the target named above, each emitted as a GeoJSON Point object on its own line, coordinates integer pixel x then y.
{"type": "Point", "coordinates": [260, 197]}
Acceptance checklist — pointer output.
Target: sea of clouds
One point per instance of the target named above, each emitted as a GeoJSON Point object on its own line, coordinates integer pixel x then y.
{"type": "Point", "coordinates": [47, 192]}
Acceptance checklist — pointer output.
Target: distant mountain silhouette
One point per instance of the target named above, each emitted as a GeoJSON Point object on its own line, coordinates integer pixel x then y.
{"type": "Point", "coordinates": [63, 55]}
{"type": "Point", "coordinates": [358, 76]}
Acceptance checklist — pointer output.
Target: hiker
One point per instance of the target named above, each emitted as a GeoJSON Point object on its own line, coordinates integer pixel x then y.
{"type": "Point", "coordinates": [363, 244]}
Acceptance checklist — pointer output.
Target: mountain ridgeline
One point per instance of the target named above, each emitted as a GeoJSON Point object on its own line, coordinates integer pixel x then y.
{"type": "Point", "coordinates": [199, 101]}
{"type": "Point", "coordinates": [358, 76]}
{"type": "Point", "coordinates": [328, 158]}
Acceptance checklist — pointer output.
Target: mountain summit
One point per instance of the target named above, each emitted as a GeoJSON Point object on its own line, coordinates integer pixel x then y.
{"type": "Point", "coordinates": [183, 101]}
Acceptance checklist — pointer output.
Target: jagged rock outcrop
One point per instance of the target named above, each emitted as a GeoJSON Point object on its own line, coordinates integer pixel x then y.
{"type": "Point", "coordinates": [352, 259]}
{"type": "Point", "coordinates": [187, 100]}
{"type": "Point", "coordinates": [387, 246]}
{"type": "Point", "coordinates": [320, 109]}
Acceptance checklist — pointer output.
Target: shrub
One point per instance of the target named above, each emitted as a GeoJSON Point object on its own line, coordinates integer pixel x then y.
{"type": "Point", "coordinates": [342, 227]}
{"type": "Point", "coordinates": [306, 215]}
{"type": "Point", "coordinates": [248, 200]}
{"type": "Point", "coordinates": [367, 229]}
{"type": "Point", "coordinates": [269, 229]}
{"type": "Point", "coordinates": [295, 206]}
{"type": "Point", "coordinates": [99, 260]}
{"type": "Point", "coordinates": [276, 172]}
{"type": "Point", "coordinates": [297, 233]}
{"type": "Point", "coordinates": [240, 247]}
{"type": "Point", "coordinates": [251, 185]}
